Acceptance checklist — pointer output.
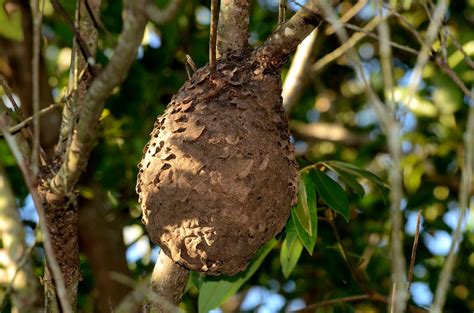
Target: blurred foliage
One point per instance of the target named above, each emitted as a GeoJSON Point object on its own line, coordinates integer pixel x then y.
{"type": "Point", "coordinates": [432, 127]}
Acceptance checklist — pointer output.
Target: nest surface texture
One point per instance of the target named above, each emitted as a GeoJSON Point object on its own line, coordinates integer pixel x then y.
{"type": "Point", "coordinates": [218, 176]}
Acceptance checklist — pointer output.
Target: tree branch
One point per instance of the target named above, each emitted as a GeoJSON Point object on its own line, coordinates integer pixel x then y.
{"type": "Point", "coordinates": [93, 101]}
{"type": "Point", "coordinates": [20, 138]}
{"type": "Point", "coordinates": [393, 131]}
{"type": "Point", "coordinates": [371, 296]}
{"type": "Point", "coordinates": [167, 285]}
{"type": "Point", "coordinates": [82, 65]}
{"type": "Point", "coordinates": [83, 20]}
{"type": "Point", "coordinates": [162, 16]}
{"type": "Point", "coordinates": [35, 65]}
{"type": "Point", "coordinates": [424, 54]}
{"type": "Point", "coordinates": [414, 250]}
{"type": "Point", "coordinates": [328, 132]}
{"type": "Point", "coordinates": [348, 44]}
{"type": "Point", "coordinates": [297, 76]}
{"type": "Point", "coordinates": [232, 32]}
{"type": "Point", "coordinates": [48, 247]}
{"type": "Point", "coordinates": [14, 129]}
{"type": "Point", "coordinates": [284, 40]}
{"type": "Point", "coordinates": [464, 195]}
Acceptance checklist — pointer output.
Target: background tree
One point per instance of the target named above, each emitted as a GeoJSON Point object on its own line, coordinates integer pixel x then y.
{"type": "Point", "coordinates": [383, 86]}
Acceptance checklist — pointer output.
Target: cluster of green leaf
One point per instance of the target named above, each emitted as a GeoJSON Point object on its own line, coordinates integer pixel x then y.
{"type": "Point", "coordinates": [302, 227]}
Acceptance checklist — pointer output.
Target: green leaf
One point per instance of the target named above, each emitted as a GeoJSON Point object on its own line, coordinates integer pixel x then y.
{"type": "Point", "coordinates": [195, 280]}
{"type": "Point", "coordinates": [331, 193]}
{"type": "Point", "coordinates": [291, 250]}
{"type": "Point", "coordinates": [309, 241]}
{"type": "Point", "coordinates": [352, 169]}
{"type": "Point", "coordinates": [349, 180]}
{"type": "Point", "coordinates": [215, 290]}
{"type": "Point", "coordinates": [306, 202]}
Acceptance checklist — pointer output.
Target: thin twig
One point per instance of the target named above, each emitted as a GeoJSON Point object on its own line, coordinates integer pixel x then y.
{"type": "Point", "coordinates": [347, 44]}
{"type": "Point", "coordinates": [464, 196]}
{"type": "Point", "coordinates": [386, 59]}
{"type": "Point", "coordinates": [322, 304]}
{"type": "Point", "coordinates": [424, 54]}
{"type": "Point", "coordinates": [359, 279]}
{"type": "Point", "coordinates": [213, 36]}
{"type": "Point", "coordinates": [9, 121]}
{"type": "Point", "coordinates": [51, 258]}
{"type": "Point", "coordinates": [405, 22]}
{"type": "Point", "coordinates": [14, 129]}
{"type": "Point", "coordinates": [454, 77]}
{"type": "Point", "coordinates": [27, 134]}
{"type": "Point", "coordinates": [414, 250]}
{"type": "Point", "coordinates": [348, 15]}
{"type": "Point", "coordinates": [331, 17]}
{"type": "Point", "coordinates": [443, 65]}
{"type": "Point", "coordinates": [190, 66]}
{"type": "Point", "coordinates": [37, 20]}
{"type": "Point", "coordinates": [373, 296]}
{"type": "Point", "coordinates": [9, 94]}
{"type": "Point", "coordinates": [81, 42]}
{"type": "Point", "coordinates": [374, 36]}
{"type": "Point", "coordinates": [458, 46]}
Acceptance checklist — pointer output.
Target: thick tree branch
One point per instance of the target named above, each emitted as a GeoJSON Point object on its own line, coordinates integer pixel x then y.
{"type": "Point", "coordinates": [167, 285]}
{"type": "Point", "coordinates": [92, 103]}
{"type": "Point", "coordinates": [284, 40]}
{"type": "Point", "coordinates": [82, 60]}
{"type": "Point", "coordinates": [296, 78]}
{"type": "Point", "coordinates": [162, 16]}
{"type": "Point", "coordinates": [232, 33]}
